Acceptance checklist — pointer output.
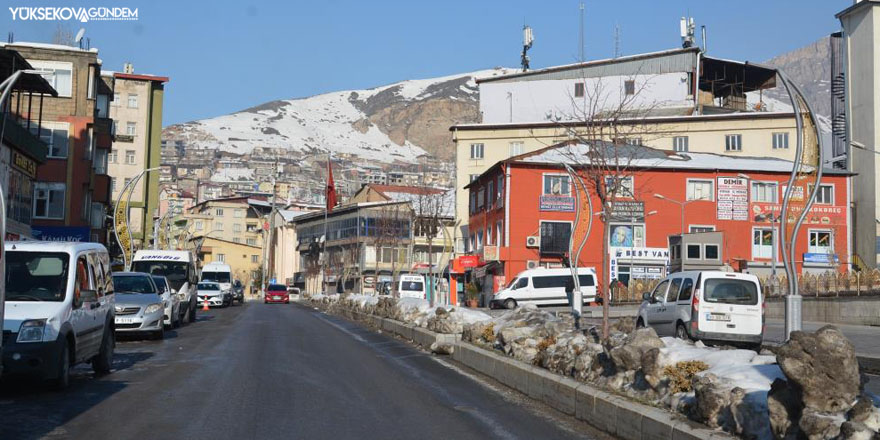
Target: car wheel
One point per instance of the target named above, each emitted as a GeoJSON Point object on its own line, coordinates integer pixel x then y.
{"type": "Point", "coordinates": [681, 332]}
{"type": "Point", "coordinates": [104, 360]}
{"type": "Point", "coordinates": [159, 334]}
{"type": "Point", "coordinates": [510, 304]}
{"type": "Point", "coordinates": [63, 380]}
{"type": "Point", "coordinates": [192, 313]}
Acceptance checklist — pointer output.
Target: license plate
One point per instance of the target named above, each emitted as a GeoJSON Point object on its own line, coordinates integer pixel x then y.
{"type": "Point", "coordinates": [124, 320]}
{"type": "Point", "coordinates": [717, 317]}
{"type": "Point", "coordinates": [276, 297]}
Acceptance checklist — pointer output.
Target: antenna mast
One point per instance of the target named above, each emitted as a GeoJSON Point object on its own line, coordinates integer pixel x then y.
{"type": "Point", "coordinates": [528, 39]}
{"type": "Point", "coordinates": [581, 35]}
{"type": "Point", "coordinates": [616, 40]}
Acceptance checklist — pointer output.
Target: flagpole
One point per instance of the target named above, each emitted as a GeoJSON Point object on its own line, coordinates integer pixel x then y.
{"type": "Point", "coordinates": [324, 242]}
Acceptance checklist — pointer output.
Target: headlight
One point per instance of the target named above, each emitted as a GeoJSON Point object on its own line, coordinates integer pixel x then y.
{"type": "Point", "coordinates": [32, 330]}
{"type": "Point", "coordinates": [153, 308]}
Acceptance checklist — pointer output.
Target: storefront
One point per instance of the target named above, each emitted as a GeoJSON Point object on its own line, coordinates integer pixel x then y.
{"type": "Point", "coordinates": [634, 263]}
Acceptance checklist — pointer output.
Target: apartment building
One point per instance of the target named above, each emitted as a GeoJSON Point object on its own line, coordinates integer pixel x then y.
{"type": "Point", "coordinates": [21, 152]}
{"type": "Point", "coordinates": [243, 259]}
{"type": "Point", "coordinates": [72, 189]}
{"type": "Point", "coordinates": [677, 100]}
{"type": "Point", "coordinates": [234, 219]}
{"type": "Point", "coordinates": [137, 114]}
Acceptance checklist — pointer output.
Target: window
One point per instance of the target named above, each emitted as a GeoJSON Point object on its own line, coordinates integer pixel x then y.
{"type": "Point", "coordinates": [199, 225]}
{"type": "Point", "coordinates": [674, 287]}
{"type": "Point", "coordinates": [236, 239]}
{"type": "Point", "coordinates": [221, 258]}
{"type": "Point", "coordinates": [58, 74]}
{"type": "Point", "coordinates": [623, 188]}
{"type": "Point", "coordinates": [733, 142]}
{"type": "Point", "coordinates": [479, 242]}
{"type": "Point", "coordinates": [711, 251]}
{"type": "Point", "coordinates": [238, 213]}
{"type": "Point", "coordinates": [132, 100]}
{"type": "Point", "coordinates": [693, 252]}
{"type": "Point", "coordinates": [700, 228]}
{"type": "Point", "coordinates": [218, 226]}
{"type": "Point", "coordinates": [54, 135]}
{"type": "Point", "coordinates": [578, 90]}
{"type": "Point", "coordinates": [218, 212]}
{"type": "Point", "coordinates": [481, 196]}
{"type": "Point", "coordinates": [680, 143]}
{"type": "Point", "coordinates": [765, 192]}
{"type": "Point", "coordinates": [499, 189]}
{"type": "Point", "coordinates": [90, 92]}
{"type": "Point", "coordinates": [555, 237]}
{"type": "Point", "coordinates": [112, 185]}
{"type": "Point", "coordinates": [49, 200]}
{"type": "Point", "coordinates": [255, 258]}
{"type": "Point", "coordinates": [86, 210]}
{"type": "Point", "coordinates": [659, 292]}
{"type": "Point", "coordinates": [236, 228]}
{"type": "Point", "coordinates": [473, 202]}
{"type": "Point", "coordinates": [131, 128]}
{"type": "Point", "coordinates": [687, 288]}
{"type": "Point", "coordinates": [498, 232]}
{"type": "Point", "coordinates": [556, 184]}
{"type": "Point", "coordinates": [490, 194]}
{"type": "Point", "coordinates": [700, 189]}
{"type": "Point", "coordinates": [98, 215]}
{"type": "Point", "coordinates": [489, 241]}
{"type": "Point", "coordinates": [102, 106]}
{"type": "Point", "coordinates": [477, 151]}
{"type": "Point", "coordinates": [762, 242]}
{"type": "Point", "coordinates": [825, 195]}
{"type": "Point", "coordinates": [820, 242]}
{"type": "Point", "coordinates": [516, 148]}
{"type": "Point", "coordinates": [126, 181]}
{"type": "Point", "coordinates": [111, 157]}
{"type": "Point", "coordinates": [473, 177]}
{"type": "Point", "coordinates": [116, 100]}
{"type": "Point", "coordinates": [629, 87]}
{"type": "Point", "coordinates": [252, 241]}
{"type": "Point", "coordinates": [780, 141]}
{"type": "Point", "coordinates": [100, 163]}
{"type": "Point", "coordinates": [129, 157]}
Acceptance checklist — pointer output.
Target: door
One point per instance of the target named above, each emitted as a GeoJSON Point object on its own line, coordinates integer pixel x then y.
{"type": "Point", "coordinates": [84, 314]}
{"type": "Point", "coordinates": [683, 306]}
{"type": "Point", "coordinates": [654, 310]}
{"type": "Point", "coordinates": [730, 305]}
{"type": "Point", "coordinates": [668, 316]}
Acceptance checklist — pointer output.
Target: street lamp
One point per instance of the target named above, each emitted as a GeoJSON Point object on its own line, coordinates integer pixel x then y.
{"type": "Point", "coordinates": [680, 204]}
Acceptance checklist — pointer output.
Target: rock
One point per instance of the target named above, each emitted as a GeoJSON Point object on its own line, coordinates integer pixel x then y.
{"type": "Point", "coordinates": [819, 426]}
{"type": "Point", "coordinates": [865, 413]}
{"type": "Point", "coordinates": [712, 403]}
{"type": "Point", "coordinates": [510, 334]}
{"type": "Point", "coordinates": [440, 312]}
{"type": "Point", "coordinates": [628, 356]}
{"type": "Point", "coordinates": [850, 430]}
{"type": "Point", "coordinates": [824, 366]}
{"type": "Point", "coordinates": [784, 407]}
{"type": "Point", "coordinates": [442, 348]}
{"type": "Point", "coordinates": [625, 325]}
{"type": "Point", "coordinates": [475, 332]}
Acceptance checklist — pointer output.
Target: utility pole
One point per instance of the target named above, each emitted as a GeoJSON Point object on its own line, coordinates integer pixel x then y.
{"type": "Point", "coordinates": [267, 270]}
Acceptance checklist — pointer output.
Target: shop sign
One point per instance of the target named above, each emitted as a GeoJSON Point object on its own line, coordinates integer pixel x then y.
{"type": "Point", "coordinates": [468, 261]}
{"type": "Point", "coordinates": [61, 233]}
{"type": "Point", "coordinates": [556, 203]}
{"type": "Point", "coordinates": [628, 211]}
{"type": "Point", "coordinates": [25, 164]}
{"type": "Point", "coordinates": [827, 215]}
{"type": "Point", "coordinates": [733, 198]}
{"type": "Point", "coordinates": [820, 258]}
{"type": "Point", "coordinates": [490, 253]}
{"type": "Point", "coordinates": [640, 253]}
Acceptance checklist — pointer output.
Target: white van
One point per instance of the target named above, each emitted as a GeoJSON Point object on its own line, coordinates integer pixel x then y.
{"type": "Point", "coordinates": [706, 305]}
{"type": "Point", "coordinates": [545, 287]}
{"type": "Point", "coordinates": [412, 286]}
{"type": "Point", "coordinates": [59, 309]}
{"type": "Point", "coordinates": [180, 269]}
{"type": "Point", "coordinates": [220, 273]}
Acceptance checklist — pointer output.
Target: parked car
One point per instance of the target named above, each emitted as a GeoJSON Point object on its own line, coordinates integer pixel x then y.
{"type": "Point", "coordinates": [712, 306]}
{"type": "Point", "coordinates": [172, 302]}
{"type": "Point", "coordinates": [545, 287]}
{"type": "Point", "coordinates": [139, 308]}
{"type": "Point", "coordinates": [210, 291]}
{"type": "Point", "coordinates": [58, 310]}
{"type": "Point", "coordinates": [238, 291]}
{"type": "Point", "coordinates": [179, 267]}
{"type": "Point", "coordinates": [411, 286]}
{"type": "Point", "coordinates": [276, 293]}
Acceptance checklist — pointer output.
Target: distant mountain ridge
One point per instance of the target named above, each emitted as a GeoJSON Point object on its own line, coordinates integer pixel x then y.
{"type": "Point", "coordinates": [810, 68]}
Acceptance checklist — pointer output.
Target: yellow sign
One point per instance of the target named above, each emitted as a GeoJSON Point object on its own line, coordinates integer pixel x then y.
{"type": "Point", "coordinates": [120, 223]}
{"type": "Point", "coordinates": [25, 164]}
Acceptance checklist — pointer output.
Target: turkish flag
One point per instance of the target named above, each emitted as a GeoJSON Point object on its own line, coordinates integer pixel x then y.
{"type": "Point", "coordinates": [331, 188]}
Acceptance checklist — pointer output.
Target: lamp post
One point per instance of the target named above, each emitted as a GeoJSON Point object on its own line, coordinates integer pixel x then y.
{"type": "Point", "coordinates": [680, 204]}
{"type": "Point", "coordinates": [124, 237]}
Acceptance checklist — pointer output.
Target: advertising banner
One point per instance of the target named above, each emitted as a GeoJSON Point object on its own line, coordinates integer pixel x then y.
{"type": "Point", "coordinates": [733, 198]}
{"type": "Point", "coordinates": [557, 203]}
{"type": "Point", "coordinates": [61, 233]}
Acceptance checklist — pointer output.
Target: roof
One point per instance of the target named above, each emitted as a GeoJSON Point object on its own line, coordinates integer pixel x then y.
{"type": "Point", "coordinates": [640, 157]}
{"type": "Point", "coordinates": [49, 46]}
{"type": "Point", "coordinates": [141, 77]}
{"type": "Point", "coordinates": [422, 190]}
{"type": "Point", "coordinates": [856, 6]}
{"type": "Point", "coordinates": [53, 246]}
{"type": "Point", "coordinates": [342, 209]}
{"type": "Point", "coordinates": [288, 215]}
{"type": "Point", "coordinates": [645, 120]}
{"type": "Point", "coordinates": [11, 61]}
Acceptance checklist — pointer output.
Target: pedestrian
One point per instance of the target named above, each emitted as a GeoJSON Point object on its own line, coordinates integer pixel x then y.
{"type": "Point", "coordinates": [575, 311]}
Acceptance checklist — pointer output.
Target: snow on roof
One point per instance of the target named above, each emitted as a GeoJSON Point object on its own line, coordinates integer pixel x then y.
{"type": "Point", "coordinates": [232, 175]}
{"type": "Point", "coordinates": [289, 214]}
{"type": "Point", "coordinates": [48, 46]}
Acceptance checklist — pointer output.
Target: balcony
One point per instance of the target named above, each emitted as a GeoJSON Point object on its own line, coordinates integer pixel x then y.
{"type": "Point", "coordinates": [103, 125]}
{"type": "Point", "coordinates": [19, 136]}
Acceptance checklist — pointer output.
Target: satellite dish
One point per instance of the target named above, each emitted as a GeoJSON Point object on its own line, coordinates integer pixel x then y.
{"type": "Point", "coordinates": [79, 35]}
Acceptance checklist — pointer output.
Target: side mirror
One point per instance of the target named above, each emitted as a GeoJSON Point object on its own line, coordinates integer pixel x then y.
{"type": "Point", "coordinates": [647, 297]}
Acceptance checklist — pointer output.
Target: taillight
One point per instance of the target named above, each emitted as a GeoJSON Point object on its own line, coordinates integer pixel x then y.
{"type": "Point", "coordinates": [695, 309]}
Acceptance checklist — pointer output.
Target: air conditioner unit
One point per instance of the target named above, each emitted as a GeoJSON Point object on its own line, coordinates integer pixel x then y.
{"type": "Point", "coordinates": [533, 241]}
{"type": "Point", "coordinates": [533, 264]}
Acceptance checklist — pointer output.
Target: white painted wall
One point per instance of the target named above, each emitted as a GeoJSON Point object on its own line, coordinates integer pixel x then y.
{"type": "Point", "coordinates": [533, 101]}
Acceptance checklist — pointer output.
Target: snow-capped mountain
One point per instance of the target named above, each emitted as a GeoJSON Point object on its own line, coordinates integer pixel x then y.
{"type": "Point", "coordinates": [397, 122]}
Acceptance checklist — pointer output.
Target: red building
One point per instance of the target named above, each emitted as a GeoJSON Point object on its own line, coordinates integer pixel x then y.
{"type": "Point", "coordinates": [522, 211]}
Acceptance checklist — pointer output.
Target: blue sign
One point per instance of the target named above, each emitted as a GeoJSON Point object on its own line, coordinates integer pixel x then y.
{"type": "Point", "coordinates": [61, 233]}
{"type": "Point", "coordinates": [820, 258]}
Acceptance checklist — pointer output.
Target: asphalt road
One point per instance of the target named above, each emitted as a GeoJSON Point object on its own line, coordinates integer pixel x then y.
{"type": "Point", "coordinates": [276, 371]}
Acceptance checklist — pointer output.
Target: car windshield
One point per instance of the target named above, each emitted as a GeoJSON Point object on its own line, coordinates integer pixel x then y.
{"type": "Point", "coordinates": [36, 276]}
{"type": "Point", "coordinates": [730, 291]}
{"type": "Point", "coordinates": [133, 284]}
{"type": "Point", "coordinates": [160, 284]}
{"type": "Point", "coordinates": [208, 286]}
{"type": "Point", "coordinates": [217, 277]}
{"type": "Point", "coordinates": [275, 287]}
{"type": "Point", "coordinates": [412, 285]}
{"type": "Point", "coordinates": [175, 271]}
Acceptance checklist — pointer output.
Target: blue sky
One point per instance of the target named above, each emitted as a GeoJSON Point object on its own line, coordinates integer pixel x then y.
{"type": "Point", "coordinates": [224, 56]}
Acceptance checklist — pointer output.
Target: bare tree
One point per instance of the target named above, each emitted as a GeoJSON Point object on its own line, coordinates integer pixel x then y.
{"type": "Point", "coordinates": [607, 129]}
{"type": "Point", "coordinates": [390, 231]}
{"type": "Point", "coordinates": [428, 209]}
